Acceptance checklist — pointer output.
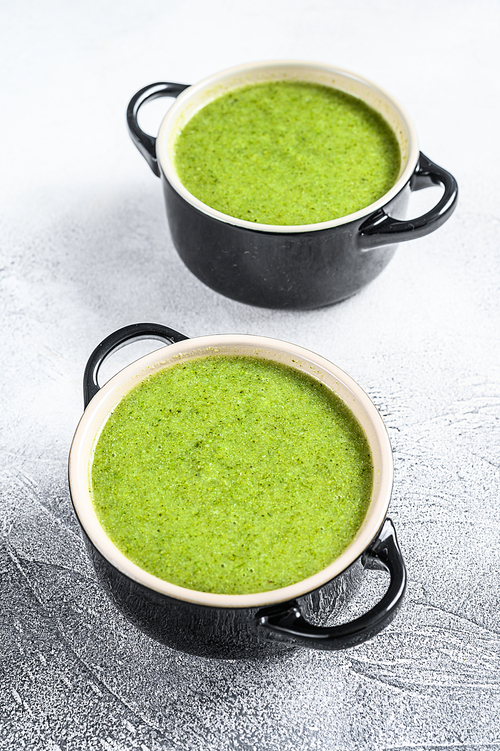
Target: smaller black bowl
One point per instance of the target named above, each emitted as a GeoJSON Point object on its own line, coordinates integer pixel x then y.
{"type": "Point", "coordinates": [296, 267]}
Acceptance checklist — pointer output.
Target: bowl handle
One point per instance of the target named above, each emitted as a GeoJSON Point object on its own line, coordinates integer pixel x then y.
{"type": "Point", "coordinates": [289, 625]}
{"type": "Point", "coordinates": [144, 142]}
{"type": "Point", "coordinates": [381, 229]}
{"type": "Point", "coordinates": [116, 341]}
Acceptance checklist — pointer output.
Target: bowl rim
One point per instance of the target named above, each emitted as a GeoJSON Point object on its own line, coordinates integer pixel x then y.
{"type": "Point", "coordinates": [218, 83]}
{"type": "Point", "coordinates": [99, 408]}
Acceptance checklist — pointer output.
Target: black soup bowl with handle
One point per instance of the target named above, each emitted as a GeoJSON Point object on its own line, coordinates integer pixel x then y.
{"type": "Point", "coordinates": [280, 266]}
{"type": "Point", "coordinates": [239, 625]}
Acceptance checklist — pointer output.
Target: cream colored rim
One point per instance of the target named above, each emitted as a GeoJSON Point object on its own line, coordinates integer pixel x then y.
{"type": "Point", "coordinates": [296, 357]}
{"type": "Point", "coordinates": [197, 96]}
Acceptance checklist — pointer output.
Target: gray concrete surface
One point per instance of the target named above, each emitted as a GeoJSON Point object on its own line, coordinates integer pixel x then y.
{"type": "Point", "coordinates": [85, 249]}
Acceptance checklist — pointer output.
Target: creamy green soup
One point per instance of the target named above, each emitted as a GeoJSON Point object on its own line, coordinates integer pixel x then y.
{"type": "Point", "coordinates": [231, 475]}
{"type": "Point", "coordinates": [287, 153]}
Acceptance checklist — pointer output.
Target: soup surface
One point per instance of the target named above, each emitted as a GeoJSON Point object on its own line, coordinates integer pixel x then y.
{"type": "Point", "coordinates": [231, 475]}
{"type": "Point", "coordinates": [287, 153]}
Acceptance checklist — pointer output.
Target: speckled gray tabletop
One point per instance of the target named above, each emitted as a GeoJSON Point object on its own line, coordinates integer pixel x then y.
{"type": "Point", "coordinates": [85, 249]}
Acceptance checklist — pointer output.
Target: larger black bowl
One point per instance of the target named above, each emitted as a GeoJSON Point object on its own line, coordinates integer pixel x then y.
{"type": "Point", "coordinates": [254, 625]}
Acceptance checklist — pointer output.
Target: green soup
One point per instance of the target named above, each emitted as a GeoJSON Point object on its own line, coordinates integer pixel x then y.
{"type": "Point", "coordinates": [231, 475]}
{"type": "Point", "coordinates": [287, 153]}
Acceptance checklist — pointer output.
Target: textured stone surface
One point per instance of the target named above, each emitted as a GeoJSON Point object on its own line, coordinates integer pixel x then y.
{"type": "Point", "coordinates": [85, 249]}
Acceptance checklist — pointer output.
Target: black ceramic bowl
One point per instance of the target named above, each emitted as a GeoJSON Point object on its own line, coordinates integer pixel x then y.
{"type": "Point", "coordinates": [255, 625]}
{"type": "Point", "coordinates": [275, 266]}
